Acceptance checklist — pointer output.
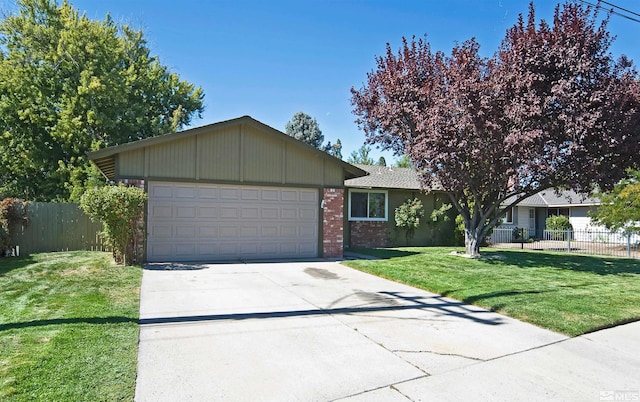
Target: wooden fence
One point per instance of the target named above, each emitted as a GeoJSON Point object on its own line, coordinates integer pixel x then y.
{"type": "Point", "coordinates": [58, 227]}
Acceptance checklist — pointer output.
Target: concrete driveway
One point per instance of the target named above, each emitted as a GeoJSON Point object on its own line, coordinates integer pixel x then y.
{"type": "Point", "coordinates": [319, 331]}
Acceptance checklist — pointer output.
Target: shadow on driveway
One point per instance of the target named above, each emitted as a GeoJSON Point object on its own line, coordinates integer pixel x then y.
{"type": "Point", "coordinates": [437, 303]}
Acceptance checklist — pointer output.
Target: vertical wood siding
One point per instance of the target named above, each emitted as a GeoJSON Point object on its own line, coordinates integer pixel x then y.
{"type": "Point", "coordinates": [262, 157]}
{"type": "Point", "coordinates": [239, 153]}
{"type": "Point", "coordinates": [333, 175]}
{"type": "Point", "coordinates": [303, 168]}
{"type": "Point", "coordinates": [219, 155]}
{"type": "Point", "coordinates": [131, 163]}
{"type": "Point", "coordinates": [58, 227]}
{"type": "Point", "coordinates": [175, 159]}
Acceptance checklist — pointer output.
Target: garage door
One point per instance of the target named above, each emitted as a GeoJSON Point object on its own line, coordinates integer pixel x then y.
{"type": "Point", "coordinates": [199, 222]}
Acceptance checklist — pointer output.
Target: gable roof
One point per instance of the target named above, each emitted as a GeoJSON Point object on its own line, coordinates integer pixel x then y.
{"type": "Point", "coordinates": [565, 198]}
{"type": "Point", "coordinates": [105, 158]}
{"type": "Point", "coordinates": [385, 177]}
{"type": "Point", "coordinates": [408, 179]}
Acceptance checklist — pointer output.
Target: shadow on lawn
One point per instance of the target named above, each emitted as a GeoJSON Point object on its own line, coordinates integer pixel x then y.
{"type": "Point", "coordinates": [58, 321]}
{"type": "Point", "coordinates": [10, 263]}
{"type": "Point", "coordinates": [583, 263]}
{"type": "Point", "coordinates": [383, 253]}
{"type": "Point", "coordinates": [473, 299]}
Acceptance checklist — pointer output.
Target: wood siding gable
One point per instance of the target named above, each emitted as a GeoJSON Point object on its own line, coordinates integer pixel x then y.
{"type": "Point", "coordinates": [241, 152]}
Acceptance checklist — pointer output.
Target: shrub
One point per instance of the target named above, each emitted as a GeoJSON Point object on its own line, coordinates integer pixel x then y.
{"type": "Point", "coordinates": [458, 232]}
{"type": "Point", "coordinates": [5, 242]}
{"type": "Point", "coordinates": [120, 209]}
{"type": "Point", "coordinates": [558, 225]}
{"type": "Point", "coordinates": [558, 222]}
{"type": "Point", "coordinates": [13, 215]}
{"type": "Point", "coordinates": [408, 217]}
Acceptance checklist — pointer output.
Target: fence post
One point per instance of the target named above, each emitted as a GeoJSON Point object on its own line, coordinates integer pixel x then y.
{"type": "Point", "coordinates": [629, 245]}
{"type": "Point", "coordinates": [568, 240]}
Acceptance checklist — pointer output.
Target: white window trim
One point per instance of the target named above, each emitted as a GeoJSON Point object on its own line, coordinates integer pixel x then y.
{"type": "Point", "coordinates": [506, 222]}
{"type": "Point", "coordinates": [386, 205]}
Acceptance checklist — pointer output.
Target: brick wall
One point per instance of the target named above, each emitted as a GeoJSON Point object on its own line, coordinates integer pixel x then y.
{"type": "Point", "coordinates": [368, 234]}
{"type": "Point", "coordinates": [332, 223]}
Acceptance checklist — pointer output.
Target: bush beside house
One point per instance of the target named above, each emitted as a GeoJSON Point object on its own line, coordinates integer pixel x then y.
{"type": "Point", "coordinates": [13, 215]}
{"type": "Point", "coordinates": [120, 210]}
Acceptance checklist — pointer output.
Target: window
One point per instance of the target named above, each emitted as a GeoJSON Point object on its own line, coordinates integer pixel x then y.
{"type": "Point", "coordinates": [367, 205]}
{"type": "Point", "coordinates": [558, 211]}
{"type": "Point", "coordinates": [508, 216]}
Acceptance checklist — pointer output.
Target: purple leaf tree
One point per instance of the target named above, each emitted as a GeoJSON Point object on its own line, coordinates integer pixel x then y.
{"type": "Point", "coordinates": [550, 109]}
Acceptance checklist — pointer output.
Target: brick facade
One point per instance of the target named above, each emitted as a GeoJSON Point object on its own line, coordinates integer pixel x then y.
{"type": "Point", "coordinates": [332, 223]}
{"type": "Point", "coordinates": [368, 234]}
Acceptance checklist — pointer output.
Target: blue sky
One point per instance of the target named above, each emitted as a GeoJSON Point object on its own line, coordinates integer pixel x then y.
{"type": "Point", "coordinates": [270, 59]}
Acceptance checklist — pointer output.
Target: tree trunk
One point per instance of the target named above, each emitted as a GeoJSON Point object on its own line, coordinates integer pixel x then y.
{"type": "Point", "coordinates": [472, 241]}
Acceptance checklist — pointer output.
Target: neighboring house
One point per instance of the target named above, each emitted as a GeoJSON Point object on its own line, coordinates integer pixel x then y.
{"type": "Point", "coordinates": [234, 190]}
{"type": "Point", "coordinates": [370, 205]}
{"type": "Point", "coordinates": [531, 213]}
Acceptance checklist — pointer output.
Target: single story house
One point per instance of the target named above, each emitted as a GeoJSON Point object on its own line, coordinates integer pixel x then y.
{"type": "Point", "coordinates": [370, 205]}
{"type": "Point", "coordinates": [237, 189]}
{"type": "Point", "coordinates": [532, 212]}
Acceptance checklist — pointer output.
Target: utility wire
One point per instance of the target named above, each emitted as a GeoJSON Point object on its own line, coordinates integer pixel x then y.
{"type": "Point", "coordinates": [613, 10]}
{"type": "Point", "coordinates": [623, 9]}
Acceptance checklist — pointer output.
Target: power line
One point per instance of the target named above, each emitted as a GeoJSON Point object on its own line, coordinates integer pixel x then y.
{"type": "Point", "coordinates": [623, 9]}
{"type": "Point", "coordinates": [613, 10]}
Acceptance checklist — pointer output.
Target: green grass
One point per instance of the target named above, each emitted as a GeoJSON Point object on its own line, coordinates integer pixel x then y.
{"type": "Point", "coordinates": [68, 328]}
{"type": "Point", "coordinates": [571, 294]}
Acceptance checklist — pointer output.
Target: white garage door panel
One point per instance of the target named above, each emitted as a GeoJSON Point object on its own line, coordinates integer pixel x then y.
{"type": "Point", "coordinates": [193, 222]}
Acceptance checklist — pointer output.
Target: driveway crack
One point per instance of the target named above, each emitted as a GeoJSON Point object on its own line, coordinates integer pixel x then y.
{"type": "Point", "coordinates": [439, 354]}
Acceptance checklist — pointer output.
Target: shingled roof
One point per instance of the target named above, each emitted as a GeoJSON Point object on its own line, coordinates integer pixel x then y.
{"type": "Point", "coordinates": [385, 177]}
{"type": "Point", "coordinates": [407, 179]}
{"type": "Point", "coordinates": [566, 198]}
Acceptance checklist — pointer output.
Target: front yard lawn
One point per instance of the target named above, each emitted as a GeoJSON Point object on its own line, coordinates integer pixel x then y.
{"type": "Point", "coordinates": [68, 328]}
{"type": "Point", "coordinates": [571, 294]}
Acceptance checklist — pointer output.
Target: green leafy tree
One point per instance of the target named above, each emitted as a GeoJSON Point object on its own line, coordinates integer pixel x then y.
{"type": "Point", "coordinates": [382, 161]}
{"type": "Point", "coordinates": [334, 149]}
{"type": "Point", "coordinates": [404, 162]}
{"type": "Point", "coordinates": [620, 209]}
{"type": "Point", "coordinates": [361, 156]}
{"type": "Point", "coordinates": [408, 217]}
{"type": "Point", "coordinates": [68, 85]}
{"type": "Point", "coordinates": [306, 129]}
{"type": "Point", "coordinates": [120, 210]}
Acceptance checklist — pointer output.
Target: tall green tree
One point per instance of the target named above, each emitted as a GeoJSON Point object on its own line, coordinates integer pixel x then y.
{"type": "Point", "coordinates": [68, 85]}
{"type": "Point", "coordinates": [404, 162]}
{"type": "Point", "coordinates": [334, 149]}
{"type": "Point", "coordinates": [361, 156]}
{"type": "Point", "coordinates": [620, 208]}
{"type": "Point", "coordinates": [306, 129]}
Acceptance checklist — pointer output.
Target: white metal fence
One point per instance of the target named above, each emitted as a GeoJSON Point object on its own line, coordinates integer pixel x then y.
{"type": "Point", "coordinates": [573, 241]}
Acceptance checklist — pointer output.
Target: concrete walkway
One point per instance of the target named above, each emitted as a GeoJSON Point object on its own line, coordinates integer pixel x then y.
{"type": "Point", "coordinates": [319, 331]}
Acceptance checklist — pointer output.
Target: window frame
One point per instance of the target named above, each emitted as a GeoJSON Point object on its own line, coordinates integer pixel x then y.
{"type": "Point", "coordinates": [506, 216]}
{"type": "Point", "coordinates": [368, 192]}
{"type": "Point", "coordinates": [556, 211]}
